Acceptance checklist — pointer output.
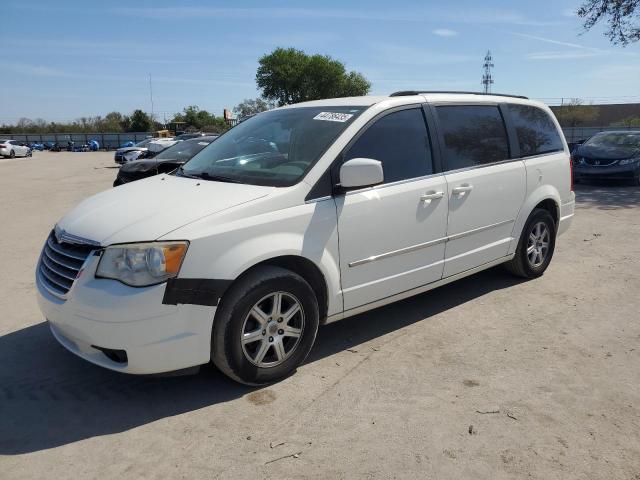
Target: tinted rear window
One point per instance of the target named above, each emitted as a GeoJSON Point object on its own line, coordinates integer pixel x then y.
{"type": "Point", "coordinates": [473, 135]}
{"type": "Point", "coordinates": [537, 134]}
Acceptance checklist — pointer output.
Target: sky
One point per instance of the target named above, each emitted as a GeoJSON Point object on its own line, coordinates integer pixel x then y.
{"type": "Point", "coordinates": [60, 60]}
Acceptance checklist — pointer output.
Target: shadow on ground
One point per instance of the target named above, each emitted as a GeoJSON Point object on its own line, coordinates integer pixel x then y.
{"type": "Point", "coordinates": [607, 195]}
{"type": "Point", "coordinates": [49, 397]}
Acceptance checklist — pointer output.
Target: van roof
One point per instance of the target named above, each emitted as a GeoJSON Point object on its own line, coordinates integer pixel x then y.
{"type": "Point", "coordinates": [410, 97]}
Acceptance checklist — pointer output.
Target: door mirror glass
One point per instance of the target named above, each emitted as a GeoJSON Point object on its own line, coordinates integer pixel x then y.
{"type": "Point", "coordinates": [361, 172]}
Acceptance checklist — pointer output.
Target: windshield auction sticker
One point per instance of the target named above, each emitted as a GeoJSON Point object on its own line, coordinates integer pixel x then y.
{"type": "Point", "coordinates": [333, 116]}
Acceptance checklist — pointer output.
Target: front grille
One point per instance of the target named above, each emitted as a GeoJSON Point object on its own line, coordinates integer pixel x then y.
{"type": "Point", "coordinates": [60, 263]}
{"type": "Point", "coordinates": [598, 162]}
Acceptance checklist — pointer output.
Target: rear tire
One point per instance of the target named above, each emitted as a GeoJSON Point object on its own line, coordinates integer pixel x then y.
{"type": "Point", "coordinates": [256, 340]}
{"type": "Point", "coordinates": [12, 154]}
{"type": "Point", "coordinates": [535, 247]}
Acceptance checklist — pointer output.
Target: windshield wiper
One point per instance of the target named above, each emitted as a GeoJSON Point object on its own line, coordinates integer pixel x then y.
{"type": "Point", "coordinates": [208, 176]}
{"type": "Point", "coordinates": [180, 172]}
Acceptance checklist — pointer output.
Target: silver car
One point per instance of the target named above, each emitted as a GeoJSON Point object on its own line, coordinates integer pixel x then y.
{"type": "Point", "coordinates": [14, 148]}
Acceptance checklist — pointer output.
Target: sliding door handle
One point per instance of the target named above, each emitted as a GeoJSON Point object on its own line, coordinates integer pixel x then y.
{"type": "Point", "coordinates": [462, 189]}
{"type": "Point", "coordinates": [431, 196]}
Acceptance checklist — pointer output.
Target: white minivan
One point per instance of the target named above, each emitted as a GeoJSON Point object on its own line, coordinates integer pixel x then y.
{"type": "Point", "coordinates": [300, 216]}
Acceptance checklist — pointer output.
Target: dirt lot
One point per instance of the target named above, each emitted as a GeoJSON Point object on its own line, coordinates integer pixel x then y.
{"type": "Point", "coordinates": [393, 393]}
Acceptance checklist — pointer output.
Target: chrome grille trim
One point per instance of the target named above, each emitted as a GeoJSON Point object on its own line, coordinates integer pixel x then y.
{"type": "Point", "coordinates": [59, 251]}
{"type": "Point", "coordinates": [60, 263]}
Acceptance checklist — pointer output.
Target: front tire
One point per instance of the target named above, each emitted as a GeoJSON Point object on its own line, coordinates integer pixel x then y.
{"type": "Point", "coordinates": [535, 247]}
{"type": "Point", "coordinates": [265, 326]}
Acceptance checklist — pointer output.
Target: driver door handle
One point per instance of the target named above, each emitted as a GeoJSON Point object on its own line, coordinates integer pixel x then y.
{"type": "Point", "coordinates": [431, 196]}
{"type": "Point", "coordinates": [462, 189]}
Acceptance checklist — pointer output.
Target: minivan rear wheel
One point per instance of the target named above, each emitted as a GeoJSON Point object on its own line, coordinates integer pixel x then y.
{"type": "Point", "coordinates": [265, 326]}
{"type": "Point", "coordinates": [535, 247]}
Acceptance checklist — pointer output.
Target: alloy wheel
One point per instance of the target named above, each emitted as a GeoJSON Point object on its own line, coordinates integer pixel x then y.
{"type": "Point", "coordinates": [272, 329]}
{"type": "Point", "coordinates": [538, 244]}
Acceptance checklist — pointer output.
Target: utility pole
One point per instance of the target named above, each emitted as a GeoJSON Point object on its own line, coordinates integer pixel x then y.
{"type": "Point", "coordinates": [487, 79]}
{"type": "Point", "coordinates": [151, 97]}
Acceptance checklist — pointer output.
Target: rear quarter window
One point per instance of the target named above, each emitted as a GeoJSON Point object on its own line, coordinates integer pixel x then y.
{"type": "Point", "coordinates": [537, 133]}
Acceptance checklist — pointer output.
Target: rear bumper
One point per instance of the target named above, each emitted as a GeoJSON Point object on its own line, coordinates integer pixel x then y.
{"type": "Point", "coordinates": [616, 172]}
{"type": "Point", "coordinates": [567, 210]}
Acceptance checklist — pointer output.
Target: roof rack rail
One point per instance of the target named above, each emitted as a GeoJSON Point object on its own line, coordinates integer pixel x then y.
{"type": "Point", "coordinates": [405, 93]}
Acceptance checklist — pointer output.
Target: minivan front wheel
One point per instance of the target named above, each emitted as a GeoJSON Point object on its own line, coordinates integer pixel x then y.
{"type": "Point", "coordinates": [536, 246]}
{"type": "Point", "coordinates": [265, 326]}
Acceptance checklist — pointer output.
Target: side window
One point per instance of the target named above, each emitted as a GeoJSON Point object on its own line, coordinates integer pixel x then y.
{"type": "Point", "coordinates": [473, 135]}
{"type": "Point", "coordinates": [400, 141]}
{"type": "Point", "coordinates": [537, 134]}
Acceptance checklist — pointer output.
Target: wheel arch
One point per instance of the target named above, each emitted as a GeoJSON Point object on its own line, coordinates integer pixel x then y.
{"type": "Point", "coordinates": [302, 266]}
{"type": "Point", "coordinates": [546, 197]}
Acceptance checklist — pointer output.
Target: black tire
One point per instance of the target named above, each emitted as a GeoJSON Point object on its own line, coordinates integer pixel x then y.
{"type": "Point", "coordinates": [12, 154]}
{"type": "Point", "coordinates": [520, 265]}
{"type": "Point", "coordinates": [226, 346]}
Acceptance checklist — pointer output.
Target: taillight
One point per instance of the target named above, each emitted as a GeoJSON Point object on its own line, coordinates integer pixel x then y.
{"type": "Point", "coordinates": [571, 172]}
{"type": "Point", "coordinates": [2, 145]}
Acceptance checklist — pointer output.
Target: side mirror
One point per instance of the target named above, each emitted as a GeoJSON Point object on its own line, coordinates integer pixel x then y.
{"type": "Point", "coordinates": [361, 172]}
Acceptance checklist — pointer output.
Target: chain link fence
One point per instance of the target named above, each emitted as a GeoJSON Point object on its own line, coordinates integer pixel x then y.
{"type": "Point", "coordinates": [108, 141]}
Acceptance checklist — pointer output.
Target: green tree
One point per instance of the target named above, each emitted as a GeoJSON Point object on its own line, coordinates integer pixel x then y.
{"type": "Point", "coordinates": [140, 122]}
{"type": "Point", "coordinates": [194, 117]}
{"type": "Point", "coordinates": [628, 122]}
{"type": "Point", "coordinates": [621, 16]}
{"type": "Point", "coordinates": [112, 122]}
{"type": "Point", "coordinates": [575, 113]}
{"type": "Point", "coordinates": [290, 76]}
{"type": "Point", "coordinates": [251, 106]}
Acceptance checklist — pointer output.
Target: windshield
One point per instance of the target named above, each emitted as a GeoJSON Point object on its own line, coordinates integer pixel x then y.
{"type": "Point", "coordinates": [618, 139]}
{"type": "Point", "coordinates": [183, 150]}
{"type": "Point", "coordinates": [274, 148]}
{"type": "Point", "coordinates": [143, 143]}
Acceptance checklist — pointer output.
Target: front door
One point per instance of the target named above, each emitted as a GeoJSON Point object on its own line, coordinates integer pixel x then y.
{"type": "Point", "coordinates": [392, 236]}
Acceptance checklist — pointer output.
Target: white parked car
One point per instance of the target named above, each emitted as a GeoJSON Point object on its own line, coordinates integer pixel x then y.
{"type": "Point", "coordinates": [14, 148]}
{"type": "Point", "coordinates": [300, 216]}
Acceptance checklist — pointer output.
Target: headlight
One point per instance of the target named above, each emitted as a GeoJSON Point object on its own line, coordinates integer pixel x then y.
{"type": "Point", "coordinates": [142, 264]}
{"type": "Point", "coordinates": [628, 161]}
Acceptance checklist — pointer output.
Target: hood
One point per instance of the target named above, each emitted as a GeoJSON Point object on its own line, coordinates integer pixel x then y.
{"type": "Point", "coordinates": [130, 149]}
{"type": "Point", "coordinates": [606, 152]}
{"type": "Point", "coordinates": [147, 164]}
{"type": "Point", "coordinates": [148, 209]}
{"type": "Point", "coordinates": [139, 166]}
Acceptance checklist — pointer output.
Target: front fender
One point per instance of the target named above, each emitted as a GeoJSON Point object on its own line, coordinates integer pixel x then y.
{"type": "Point", "coordinates": [308, 231]}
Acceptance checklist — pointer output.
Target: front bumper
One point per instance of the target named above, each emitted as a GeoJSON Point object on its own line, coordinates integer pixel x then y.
{"type": "Point", "coordinates": [104, 313]}
{"type": "Point", "coordinates": [614, 172]}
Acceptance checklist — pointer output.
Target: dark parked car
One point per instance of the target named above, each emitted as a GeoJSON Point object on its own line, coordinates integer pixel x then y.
{"type": "Point", "coordinates": [188, 136]}
{"type": "Point", "coordinates": [119, 155]}
{"type": "Point", "coordinates": [165, 162]}
{"type": "Point", "coordinates": [608, 155]}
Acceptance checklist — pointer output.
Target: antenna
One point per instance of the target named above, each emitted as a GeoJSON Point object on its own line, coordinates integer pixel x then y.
{"type": "Point", "coordinates": [151, 97]}
{"type": "Point", "coordinates": [487, 79]}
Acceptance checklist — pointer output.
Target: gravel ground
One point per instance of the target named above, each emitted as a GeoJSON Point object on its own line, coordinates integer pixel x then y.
{"type": "Point", "coordinates": [486, 378]}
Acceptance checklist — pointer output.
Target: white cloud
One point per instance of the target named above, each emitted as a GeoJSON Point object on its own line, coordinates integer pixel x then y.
{"type": "Point", "coordinates": [467, 16]}
{"type": "Point", "coordinates": [562, 55]}
{"type": "Point", "coordinates": [444, 32]}
{"type": "Point", "coordinates": [35, 70]}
